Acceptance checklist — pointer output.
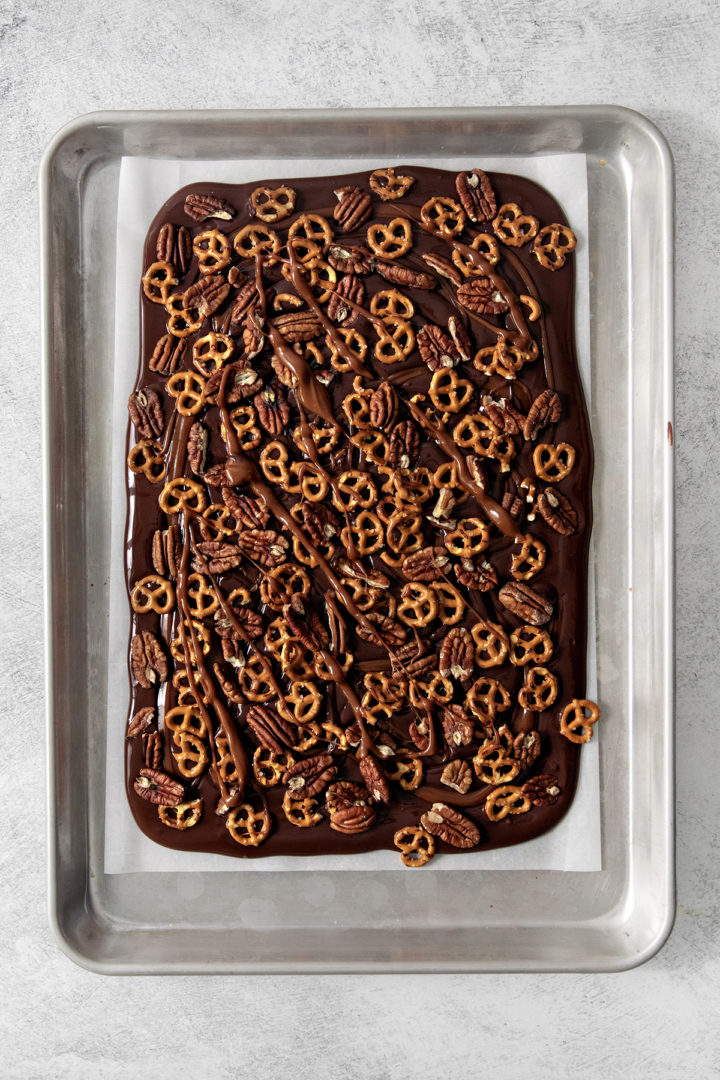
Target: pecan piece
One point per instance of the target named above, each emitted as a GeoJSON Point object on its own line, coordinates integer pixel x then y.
{"type": "Point", "coordinates": [436, 348]}
{"type": "Point", "coordinates": [403, 275]}
{"type": "Point", "coordinates": [545, 409]}
{"type": "Point", "coordinates": [444, 268]}
{"type": "Point", "coordinates": [226, 683]}
{"type": "Point", "coordinates": [481, 578]}
{"type": "Point", "coordinates": [457, 775]}
{"type": "Point", "coordinates": [404, 445]}
{"type": "Point", "coordinates": [309, 777]}
{"type": "Point", "coordinates": [504, 415]}
{"type": "Point", "coordinates": [146, 413]}
{"type": "Point", "coordinates": [216, 476]}
{"type": "Point", "coordinates": [265, 546]}
{"type": "Point", "coordinates": [558, 512]}
{"type": "Point", "coordinates": [387, 632]}
{"type": "Point", "coordinates": [478, 471]}
{"type": "Point", "coordinates": [420, 734]}
{"type": "Point", "coordinates": [201, 207]}
{"type": "Point", "coordinates": [167, 550]}
{"type": "Point", "coordinates": [512, 504]}
{"type": "Point", "coordinates": [142, 719]}
{"type": "Point", "coordinates": [542, 790]}
{"type": "Point", "coordinates": [460, 338]}
{"type": "Point", "coordinates": [271, 730]}
{"type": "Point", "coordinates": [158, 788]}
{"type": "Point", "coordinates": [449, 825]}
{"type": "Point", "coordinates": [480, 295]}
{"type": "Point", "coordinates": [353, 209]}
{"type": "Point", "coordinates": [252, 513]}
{"type": "Point", "coordinates": [476, 195]}
{"type": "Point", "coordinates": [526, 748]}
{"type": "Point", "coordinates": [298, 326]}
{"type": "Point", "coordinates": [525, 603]}
{"type": "Point", "coordinates": [272, 409]}
{"type": "Point", "coordinates": [361, 573]}
{"type": "Point", "coordinates": [350, 260]}
{"type": "Point", "coordinates": [168, 354]}
{"type": "Point", "coordinates": [149, 663]}
{"type": "Point", "coordinates": [427, 564]}
{"type": "Point", "coordinates": [305, 623]}
{"type": "Point", "coordinates": [457, 654]}
{"type": "Point", "coordinates": [153, 749]}
{"type": "Point", "coordinates": [458, 726]}
{"type": "Point", "coordinates": [375, 779]}
{"type": "Point", "coordinates": [207, 295]}
{"type": "Point", "coordinates": [383, 407]}
{"type": "Point", "coordinates": [197, 447]}
{"type": "Point", "coordinates": [220, 557]}
{"type": "Point", "coordinates": [349, 286]}
{"type": "Point", "coordinates": [242, 382]}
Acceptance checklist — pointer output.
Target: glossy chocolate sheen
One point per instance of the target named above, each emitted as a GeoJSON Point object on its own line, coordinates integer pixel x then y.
{"type": "Point", "coordinates": [563, 579]}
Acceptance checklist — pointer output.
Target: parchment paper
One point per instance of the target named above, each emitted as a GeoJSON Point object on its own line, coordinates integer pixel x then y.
{"type": "Point", "coordinates": [145, 184]}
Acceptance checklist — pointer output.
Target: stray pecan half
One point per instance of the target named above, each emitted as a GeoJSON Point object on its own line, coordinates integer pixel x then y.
{"type": "Point", "coordinates": [542, 790]}
{"type": "Point", "coordinates": [427, 564]}
{"type": "Point", "coordinates": [457, 654]}
{"type": "Point", "coordinates": [436, 348]}
{"type": "Point", "coordinates": [207, 295]}
{"type": "Point", "coordinates": [457, 775]}
{"type": "Point", "coordinates": [545, 409]}
{"type": "Point", "coordinates": [375, 779]}
{"type": "Point", "coordinates": [168, 354]}
{"type": "Point", "coordinates": [270, 729]}
{"type": "Point", "coordinates": [272, 409]}
{"type": "Point", "coordinates": [197, 447]}
{"type": "Point", "coordinates": [350, 260]}
{"type": "Point", "coordinates": [480, 578]}
{"type": "Point", "coordinates": [558, 511]}
{"type": "Point", "coordinates": [383, 407]}
{"type": "Point", "coordinates": [480, 295]}
{"type": "Point", "coordinates": [167, 551]}
{"type": "Point", "coordinates": [349, 286]}
{"type": "Point", "coordinates": [149, 663]}
{"type": "Point", "coordinates": [526, 603]}
{"type": "Point", "coordinates": [142, 719]}
{"type": "Point", "coordinates": [403, 275]}
{"type": "Point", "coordinates": [158, 788]}
{"type": "Point", "coordinates": [449, 825]}
{"type": "Point", "coordinates": [201, 207]}
{"type": "Point", "coordinates": [146, 412]}
{"type": "Point", "coordinates": [220, 557]}
{"type": "Point", "coordinates": [526, 748]}
{"type": "Point", "coordinates": [305, 623]}
{"type": "Point", "coordinates": [476, 195]}
{"type": "Point", "coordinates": [354, 207]}
{"type": "Point", "coordinates": [404, 445]}
{"type": "Point", "coordinates": [265, 546]}
{"type": "Point", "coordinates": [298, 326]}
{"type": "Point", "coordinates": [458, 726]}
{"type": "Point", "coordinates": [310, 776]}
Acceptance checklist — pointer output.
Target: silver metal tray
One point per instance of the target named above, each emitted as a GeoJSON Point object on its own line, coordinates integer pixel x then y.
{"type": "Point", "coordinates": [453, 921]}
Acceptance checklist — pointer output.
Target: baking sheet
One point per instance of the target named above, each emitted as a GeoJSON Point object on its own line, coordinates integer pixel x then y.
{"type": "Point", "coordinates": [145, 183]}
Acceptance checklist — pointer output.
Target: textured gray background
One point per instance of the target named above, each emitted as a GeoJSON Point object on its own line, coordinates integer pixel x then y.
{"type": "Point", "coordinates": [61, 59]}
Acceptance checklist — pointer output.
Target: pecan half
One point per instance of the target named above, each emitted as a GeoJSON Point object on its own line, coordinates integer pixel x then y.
{"type": "Point", "coordinates": [265, 546]}
{"type": "Point", "coordinates": [153, 749]}
{"type": "Point", "coordinates": [344, 794]}
{"type": "Point", "coordinates": [449, 825]}
{"type": "Point", "coordinates": [480, 295]}
{"type": "Point", "coordinates": [349, 286]}
{"type": "Point", "coordinates": [383, 407]}
{"type": "Point", "coordinates": [242, 382]}
{"type": "Point", "coordinates": [350, 260]}
{"type": "Point", "coordinates": [146, 412]}
{"type": "Point", "coordinates": [271, 730]}
{"type": "Point", "coordinates": [542, 790]}
{"type": "Point", "coordinates": [353, 819]}
{"type": "Point", "coordinates": [216, 476]}
{"type": "Point", "coordinates": [167, 550]}
{"type": "Point", "coordinates": [149, 663]}
{"type": "Point", "coordinates": [183, 249]}
{"type": "Point", "coordinates": [252, 513]}
{"type": "Point", "coordinates": [558, 511]}
{"type": "Point", "coordinates": [404, 445]}
{"type": "Point", "coordinates": [480, 578]}
{"type": "Point", "coordinates": [142, 719]}
{"type": "Point", "coordinates": [354, 207]}
{"type": "Point", "coordinates": [318, 521]}
{"type": "Point", "coordinates": [387, 632]}
{"type": "Point", "coordinates": [158, 788]}
{"type": "Point", "coordinates": [250, 621]}
{"type": "Point", "coordinates": [207, 295]}
{"type": "Point", "coordinates": [201, 207]}
{"type": "Point", "coordinates": [362, 573]}
{"type": "Point", "coordinates": [168, 354]}
{"type": "Point", "coordinates": [272, 409]}
{"type": "Point", "coordinates": [457, 775]}
{"type": "Point", "coordinates": [436, 348]}
{"type": "Point", "coordinates": [403, 275]}
{"type": "Point", "coordinates": [526, 748]}
{"type": "Point", "coordinates": [246, 302]}
{"type": "Point", "coordinates": [444, 268]}
{"type": "Point", "coordinates": [299, 326]}
{"type": "Point", "coordinates": [478, 471]}
{"type": "Point", "coordinates": [504, 415]}
{"type": "Point", "coordinates": [476, 195]}
{"type": "Point", "coordinates": [375, 779]}
{"type": "Point", "coordinates": [305, 623]}
{"type": "Point", "coordinates": [226, 683]}
{"type": "Point", "coordinates": [197, 447]}
{"type": "Point", "coordinates": [512, 504]}
{"type": "Point", "coordinates": [525, 603]}
{"type": "Point", "coordinates": [419, 732]}
{"type": "Point", "coordinates": [457, 725]}
{"type": "Point", "coordinates": [545, 409]}
{"type": "Point", "coordinates": [220, 557]}
{"type": "Point", "coordinates": [460, 338]}
{"type": "Point", "coordinates": [427, 564]}
{"type": "Point", "coordinates": [165, 243]}
{"type": "Point", "coordinates": [457, 654]}
{"type": "Point", "coordinates": [310, 776]}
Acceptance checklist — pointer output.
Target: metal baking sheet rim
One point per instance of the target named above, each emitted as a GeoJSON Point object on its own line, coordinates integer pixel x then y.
{"type": "Point", "coordinates": [75, 929]}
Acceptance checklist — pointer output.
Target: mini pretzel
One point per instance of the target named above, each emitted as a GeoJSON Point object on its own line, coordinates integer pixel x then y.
{"type": "Point", "coordinates": [310, 736]}
{"type": "Point", "coordinates": [211, 352]}
{"type": "Point", "coordinates": [451, 606]}
{"type": "Point", "coordinates": [576, 722]}
{"type": "Point", "coordinates": [324, 435]}
{"type": "Point", "coordinates": [298, 662]}
{"type": "Point", "coordinates": [403, 531]}
{"type": "Point", "coordinates": [311, 227]}
{"type": "Point", "coordinates": [189, 694]}
{"type": "Point", "coordinates": [388, 186]}
{"type": "Point", "coordinates": [392, 302]}
{"type": "Point", "coordinates": [506, 800]}
{"type": "Point", "coordinates": [513, 227]}
{"type": "Point", "coordinates": [471, 537]}
{"type": "Point", "coordinates": [268, 767]}
{"type": "Point", "coordinates": [448, 392]}
{"type": "Point", "coordinates": [158, 280]}
{"type": "Point", "coordinates": [183, 321]}
{"type": "Point", "coordinates": [254, 682]}
{"type": "Point", "coordinates": [189, 391]}
{"type": "Point", "coordinates": [396, 342]}
{"type": "Point", "coordinates": [182, 494]}
{"type": "Point", "coordinates": [147, 459]}
{"type": "Point", "coordinates": [273, 204]}
{"type": "Point", "coordinates": [365, 533]}
{"type": "Point", "coordinates": [446, 477]}
{"type": "Point", "coordinates": [183, 816]}
{"type": "Point", "coordinates": [483, 243]}
{"type": "Point", "coordinates": [303, 701]}
{"type": "Point", "coordinates": [202, 635]}
{"type": "Point", "coordinates": [408, 774]}
{"type": "Point", "coordinates": [189, 753]}
{"type": "Point", "coordinates": [364, 596]}
{"type": "Point", "coordinates": [243, 420]}
{"type": "Point", "coordinates": [305, 251]}
{"type": "Point", "coordinates": [354, 489]}
{"type": "Point", "coordinates": [552, 245]}
{"type": "Point", "coordinates": [392, 240]}
{"type": "Point", "coordinates": [276, 634]}
{"type": "Point", "coordinates": [376, 712]}
{"type": "Point", "coordinates": [280, 584]}
{"type": "Point", "coordinates": [212, 250]}
{"type": "Point", "coordinates": [416, 846]}
{"type": "Point", "coordinates": [372, 445]}
{"type": "Point", "coordinates": [433, 689]}
{"type": "Point", "coordinates": [387, 689]}
{"type": "Point", "coordinates": [303, 813]}
{"type": "Point", "coordinates": [201, 598]}
{"type": "Point", "coordinates": [530, 645]}
{"type": "Point", "coordinates": [488, 696]}
{"type": "Point", "coordinates": [322, 280]}
{"type": "Point", "coordinates": [491, 644]}
{"type": "Point", "coordinates": [273, 462]}
{"type": "Point", "coordinates": [493, 766]}
{"type": "Point", "coordinates": [539, 691]}
{"type": "Point", "coordinates": [248, 826]}
{"type": "Point", "coordinates": [553, 462]}
{"type": "Point", "coordinates": [254, 240]}
{"type": "Point", "coordinates": [217, 521]}
{"type": "Point", "coordinates": [312, 483]}
{"type": "Point", "coordinates": [152, 593]}
{"type": "Point", "coordinates": [418, 604]}
{"type": "Point", "coordinates": [529, 560]}
{"type": "Point", "coordinates": [187, 718]}
{"type": "Point", "coordinates": [326, 673]}
{"type": "Point", "coordinates": [500, 359]}
{"type": "Point", "coordinates": [354, 341]}
{"type": "Point", "coordinates": [479, 432]}
{"type": "Point", "coordinates": [443, 216]}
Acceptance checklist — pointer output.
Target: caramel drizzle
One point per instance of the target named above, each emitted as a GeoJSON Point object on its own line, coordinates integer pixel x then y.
{"type": "Point", "coordinates": [532, 291]}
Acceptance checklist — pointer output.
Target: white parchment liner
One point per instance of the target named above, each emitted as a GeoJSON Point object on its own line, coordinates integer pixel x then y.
{"type": "Point", "coordinates": [145, 184]}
